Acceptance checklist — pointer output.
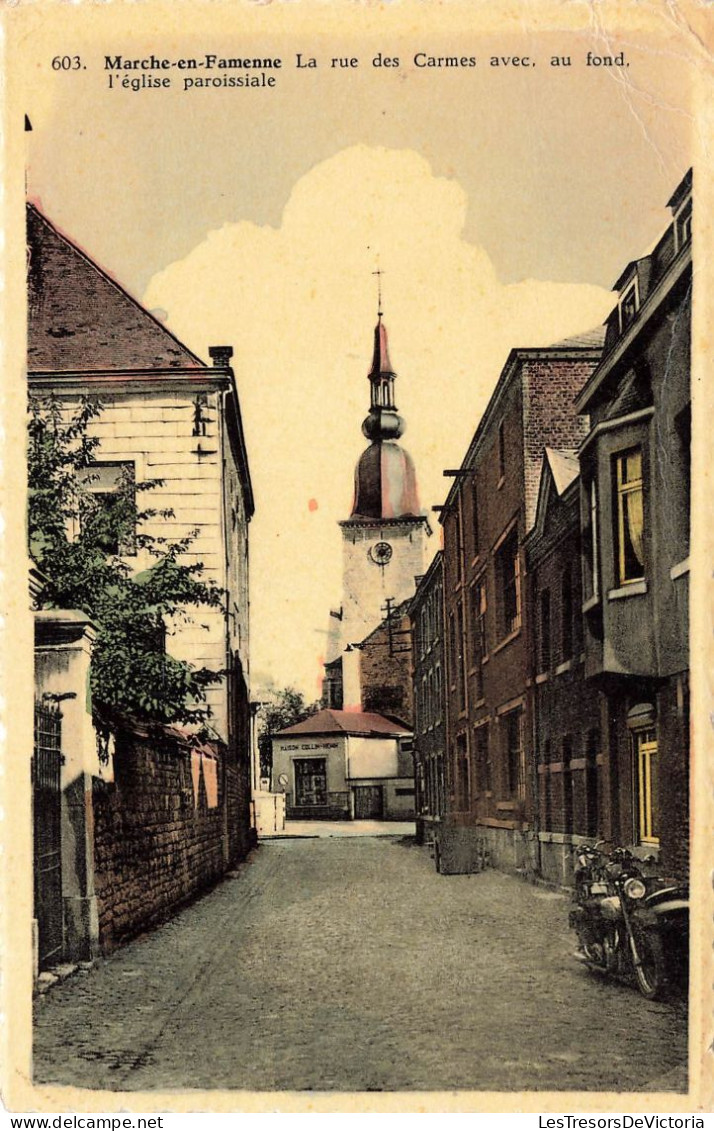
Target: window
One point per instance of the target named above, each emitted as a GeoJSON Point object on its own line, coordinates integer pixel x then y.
{"type": "Point", "coordinates": [460, 674]}
{"type": "Point", "coordinates": [310, 781]}
{"type": "Point", "coordinates": [646, 777]}
{"type": "Point", "coordinates": [501, 453]}
{"type": "Point", "coordinates": [483, 759]}
{"type": "Point", "coordinates": [590, 541]}
{"type": "Point", "coordinates": [107, 509]}
{"type": "Point", "coordinates": [628, 306]}
{"type": "Point", "coordinates": [683, 429]}
{"type": "Point", "coordinates": [544, 631]}
{"type": "Point", "coordinates": [480, 651]}
{"type": "Point", "coordinates": [683, 225]}
{"type": "Point", "coordinates": [460, 535]}
{"type": "Point", "coordinates": [155, 636]}
{"type": "Point", "coordinates": [566, 612]}
{"type": "Point", "coordinates": [508, 574]}
{"type": "Point", "coordinates": [480, 619]}
{"type": "Point", "coordinates": [474, 515]}
{"type": "Point", "coordinates": [630, 516]}
{"type": "Point", "coordinates": [513, 754]}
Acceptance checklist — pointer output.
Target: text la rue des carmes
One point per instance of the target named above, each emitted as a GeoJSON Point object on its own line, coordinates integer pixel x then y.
{"type": "Point", "coordinates": [259, 69]}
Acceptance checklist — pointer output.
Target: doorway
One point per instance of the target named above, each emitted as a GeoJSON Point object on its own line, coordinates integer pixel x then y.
{"type": "Point", "coordinates": [369, 802]}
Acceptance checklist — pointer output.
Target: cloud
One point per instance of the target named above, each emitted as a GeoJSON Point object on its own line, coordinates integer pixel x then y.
{"type": "Point", "coordinates": [298, 304]}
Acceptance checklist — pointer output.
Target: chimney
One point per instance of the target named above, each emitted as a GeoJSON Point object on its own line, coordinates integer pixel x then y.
{"type": "Point", "coordinates": [221, 356]}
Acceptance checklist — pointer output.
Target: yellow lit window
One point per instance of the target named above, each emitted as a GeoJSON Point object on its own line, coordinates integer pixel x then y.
{"type": "Point", "coordinates": [648, 808]}
{"type": "Point", "coordinates": [630, 516]}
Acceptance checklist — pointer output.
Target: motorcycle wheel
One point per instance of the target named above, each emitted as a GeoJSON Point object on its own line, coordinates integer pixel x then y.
{"type": "Point", "coordinates": [650, 975]}
{"type": "Point", "coordinates": [592, 952]}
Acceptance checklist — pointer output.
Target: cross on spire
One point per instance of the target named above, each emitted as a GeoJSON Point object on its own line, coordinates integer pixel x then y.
{"type": "Point", "coordinates": [379, 272]}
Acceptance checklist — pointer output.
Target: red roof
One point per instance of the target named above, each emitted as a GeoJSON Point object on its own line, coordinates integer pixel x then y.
{"type": "Point", "coordinates": [380, 358]}
{"type": "Point", "coordinates": [346, 722]}
{"type": "Point", "coordinates": [79, 318]}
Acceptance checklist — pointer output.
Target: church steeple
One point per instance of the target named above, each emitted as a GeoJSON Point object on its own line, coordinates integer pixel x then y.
{"type": "Point", "coordinates": [383, 422]}
{"type": "Point", "coordinates": [385, 480]}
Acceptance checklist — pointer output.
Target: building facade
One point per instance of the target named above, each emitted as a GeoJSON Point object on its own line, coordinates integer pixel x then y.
{"type": "Point", "coordinates": [426, 612]}
{"type": "Point", "coordinates": [565, 711]}
{"type": "Point", "coordinates": [344, 765]}
{"type": "Point", "coordinates": [489, 811]}
{"type": "Point", "coordinates": [170, 420]}
{"type": "Point", "coordinates": [634, 504]}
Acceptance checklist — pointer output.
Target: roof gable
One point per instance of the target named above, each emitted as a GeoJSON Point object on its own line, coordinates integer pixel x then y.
{"type": "Point", "coordinates": [559, 471]}
{"type": "Point", "coordinates": [363, 723]}
{"type": "Point", "coordinates": [79, 318]}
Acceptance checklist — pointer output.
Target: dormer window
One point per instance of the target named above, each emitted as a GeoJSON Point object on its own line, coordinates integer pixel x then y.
{"type": "Point", "coordinates": [683, 225]}
{"type": "Point", "coordinates": [629, 304]}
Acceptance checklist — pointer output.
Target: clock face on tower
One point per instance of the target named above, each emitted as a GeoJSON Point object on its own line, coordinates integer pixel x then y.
{"type": "Point", "coordinates": [381, 553]}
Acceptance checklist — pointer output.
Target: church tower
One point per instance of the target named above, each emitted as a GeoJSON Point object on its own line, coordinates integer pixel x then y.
{"type": "Point", "coordinates": [384, 539]}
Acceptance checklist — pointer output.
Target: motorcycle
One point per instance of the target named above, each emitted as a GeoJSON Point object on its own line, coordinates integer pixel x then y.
{"type": "Point", "coordinates": [629, 924]}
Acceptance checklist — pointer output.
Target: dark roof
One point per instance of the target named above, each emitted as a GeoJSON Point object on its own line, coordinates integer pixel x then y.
{"type": "Point", "coordinates": [346, 722]}
{"type": "Point", "coordinates": [385, 483]}
{"type": "Point", "coordinates": [79, 318]}
{"type": "Point", "coordinates": [683, 189]}
{"type": "Point", "coordinates": [589, 339]}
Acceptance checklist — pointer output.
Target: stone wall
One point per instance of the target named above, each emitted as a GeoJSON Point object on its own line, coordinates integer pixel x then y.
{"type": "Point", "coordinates": [385, 669]}
{"type": "Point", "coordinates": [159, 833]}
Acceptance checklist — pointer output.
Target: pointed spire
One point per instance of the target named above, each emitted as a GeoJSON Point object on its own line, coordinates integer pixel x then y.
{"type": "Point", "coordinates": [380, 361]}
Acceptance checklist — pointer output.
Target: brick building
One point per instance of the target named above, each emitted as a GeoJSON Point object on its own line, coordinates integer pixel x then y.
{"type": "Point", "coordinates": [565, 711]}
{"type": "Point", "coordinates": [426, 612]}
{"type": "Point", "coordinates": [488, 512]}
{"type": "Point", "coordinates": [165, 416]}
{"type": "Point", "coordinates": [634, 502]}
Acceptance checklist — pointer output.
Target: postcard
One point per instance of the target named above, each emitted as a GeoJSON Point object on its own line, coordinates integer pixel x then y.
{"type": "Point", "coordinates": [356, 639]}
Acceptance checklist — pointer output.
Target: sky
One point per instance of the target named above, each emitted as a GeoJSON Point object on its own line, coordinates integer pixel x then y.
{"type": "Point", "coordinates": [500, 203]}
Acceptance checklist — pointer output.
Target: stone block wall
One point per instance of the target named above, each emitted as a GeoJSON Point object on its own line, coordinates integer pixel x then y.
{"type": "Point", "coordinates": [385, 669]}
{"type": "Point", "coordinates": [159, 833]}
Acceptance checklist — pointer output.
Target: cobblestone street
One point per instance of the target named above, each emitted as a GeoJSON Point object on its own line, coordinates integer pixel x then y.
{"type": "Point", "coordinates": [349, 964]}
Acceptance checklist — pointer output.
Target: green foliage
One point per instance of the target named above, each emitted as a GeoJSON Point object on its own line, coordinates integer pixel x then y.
{"type": "Point", "coordinates": [288, 707]}
{"type": "Point", "coordinates": [81, 541]}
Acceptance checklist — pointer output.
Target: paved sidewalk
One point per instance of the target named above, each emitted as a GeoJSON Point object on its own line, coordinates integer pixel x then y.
{"type": "Point", "coordinates": [342, 828]}
{"type": "Point", "coordinates": [349, 964]}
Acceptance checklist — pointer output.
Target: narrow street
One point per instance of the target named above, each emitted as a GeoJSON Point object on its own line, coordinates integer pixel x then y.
{"type": "Point", "coordinates": [349, 964]}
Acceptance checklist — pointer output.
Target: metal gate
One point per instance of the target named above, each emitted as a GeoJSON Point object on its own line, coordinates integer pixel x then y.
{"type": "Point", "coordinates": [46, 817]}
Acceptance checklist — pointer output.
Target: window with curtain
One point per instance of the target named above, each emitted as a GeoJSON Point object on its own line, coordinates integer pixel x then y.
{"type": "Point", "coordinates": [630, 516]}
